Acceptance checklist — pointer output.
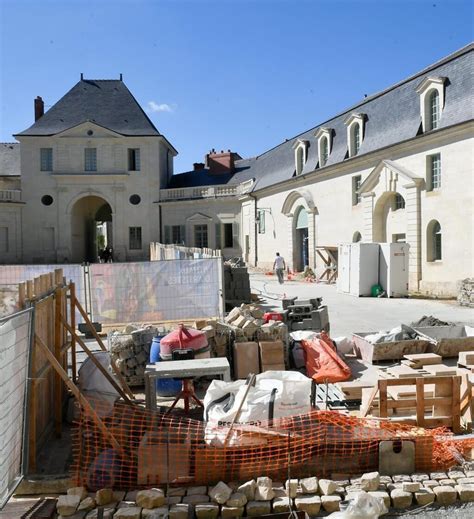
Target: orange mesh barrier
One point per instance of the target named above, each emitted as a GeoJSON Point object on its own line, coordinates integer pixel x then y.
{"type": "Point", "coordinates": [157, 449]}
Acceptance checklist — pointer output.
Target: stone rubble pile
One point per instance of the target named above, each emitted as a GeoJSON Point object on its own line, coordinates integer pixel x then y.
{"type": "Point", "coordinates": [466, 292]}
{"type": "Point", "coordinates": [264, 496]}
{"type": "Point", "coordinates": [130, 350]}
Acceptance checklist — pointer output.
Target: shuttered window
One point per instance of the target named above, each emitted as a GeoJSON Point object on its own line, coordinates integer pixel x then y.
{"type": "Point", "coordinates": [46, 159]}
{"type": "Point", "coordinates": [134, 159]}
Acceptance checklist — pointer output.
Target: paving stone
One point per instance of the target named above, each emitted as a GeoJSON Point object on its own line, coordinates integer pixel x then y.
{"type": "Point", "coordinates": [180, 511]}
{"type": "Point", "coordinates": [196, 499]}
{"type": "Point", "coordinates": [160, 512]}
{"type": "Point", "coordinates": [445, 495]}
{"type": "Point", "coordinates": [207, 511]}
{"type": "Point", "coordinates": [310, 485]}
{"type": "Point", "coordinates": [353, 489]}
{"type": "Point", "coordinates": [370, 481]}
{"type": "Point", "coordinates": [178, 491]}
{"type": "Point", "coordinates": [82, 492]}
{"type": "Point", "coordinates": [196, 491]}
{"type": "Point", "coordinates": [419, 477]}
{"type": "Point", "coordinates": [401, 499]}
{"type": "Point", "coordinates": [291, 487]}
{"type": "Point", "coordinates": [248, 489]}
{"type": "Point", "coordinates": [330, 503]}
{"type": "Point", "coordinates": [393, 486]}
{"type": "Point", "coordinates": [173, 500]}
{"type": "Point", "coordinates": [281, 505]}
{"type": "Point", "coordinates": [310, 504]}
{"type": "Point", "coordinates": [447, 481]}
{"type": "Point", "coordinates": [87, 504]}
{"type": "Point", "coordinates": [381, 494]}
{"type": "Point", "coordinates": [469, 473]}
{"type": "Point", "coordinates": [228, 512]}
{"type": "Point", "coordinates": [108, 513]}
{"type": "Point", "coordinates": [430, 483]}
{"type": "Point", "coordinates": [411, 486]}
{"type": "Point", "coordinates": [264, 490]}
{"type": "Point", "coordinates": [424, 496]}
{"type": "Point", "coordinates": [400, 478]}
{"type": "Point", "coordinates": [133, 512]}
{"type": "Point", "coordinates": [220, 493]}
{"type": "Point", "coordinates": [466, 492]}
{"type": "Point", "coordinates": [456, 474]}
{"type": "Point", "coordinates": [257, 508]}
{"type": "Point", "coordinates": [152, 498]}
{"type": "Point", "coordinates": [236, 500]}
{"type": "Point", "coordinates": [67, 505]}
{"type": "Point", "coordinates": [327, 487]}
{"type": "Point", "coordinates": [438, 475]}
{"type": "Point", "coordinates": [104, 496]}
{"type": "Point", "coordinates": [126, 504]}
{"type": "Point", "coordinates": [465, 481]}
{"type": "Point", "coordinates": [386, 480]}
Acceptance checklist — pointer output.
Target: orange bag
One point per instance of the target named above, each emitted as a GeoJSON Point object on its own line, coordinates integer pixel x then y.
{"type": "Point", "coordinates": [323, 364]}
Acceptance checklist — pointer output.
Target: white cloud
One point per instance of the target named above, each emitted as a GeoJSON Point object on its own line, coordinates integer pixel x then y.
{"type": "Point", "coordinates": [153, 107]}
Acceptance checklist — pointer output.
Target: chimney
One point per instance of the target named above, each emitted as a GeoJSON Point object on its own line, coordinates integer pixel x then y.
{"type": "Point", "coordinates": [222, 162]}
{"type": "Point", "coordinates": [197, 166]}
{"type": "Point", "coordinates": [39, 108]}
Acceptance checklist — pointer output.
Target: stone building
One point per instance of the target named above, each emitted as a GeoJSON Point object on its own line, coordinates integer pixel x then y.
{"type": "Point", "coordinates": [398, 166]}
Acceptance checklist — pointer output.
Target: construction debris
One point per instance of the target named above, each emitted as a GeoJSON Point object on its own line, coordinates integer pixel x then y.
{"type": "Point", "coordinates": [429, 320]}
{"type": "Point", "coordinates": [466, 293]}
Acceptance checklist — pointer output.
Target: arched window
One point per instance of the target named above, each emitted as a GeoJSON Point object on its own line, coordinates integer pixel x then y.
{"type": "Point", "coordinates": [433, 241]}
{"type": "Point", "coordinates": [324, 151]}
{"type": "Point", "coordinates": [355, 139]}
{"type": "Point", "coordinates": [299, 160]}
{"type": "Point", "coordinates": [433, 110]}
{"type": "Point", "coordinates": [356, 237]}
{"type": "Point", "coordinates": [399, 202]}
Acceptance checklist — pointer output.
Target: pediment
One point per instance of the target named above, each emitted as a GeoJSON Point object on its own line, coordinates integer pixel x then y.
{"type": "Point", "coordinates": [391, 172]}
{"type": "Point", "coordinates": [83, 130]}
{"type": "Point", "coordinates": [198, 217]}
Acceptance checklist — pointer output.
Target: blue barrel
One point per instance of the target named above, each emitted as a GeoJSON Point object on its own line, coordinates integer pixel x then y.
{"type": "Point", "coordinates": [164, 386]}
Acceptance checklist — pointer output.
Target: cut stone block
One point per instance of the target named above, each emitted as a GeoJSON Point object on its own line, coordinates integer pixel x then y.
{"type": "Point", "coordinates": [248, 489]}
{"type": "Point", "coordinates": [466, 492]}
{"type": "Point", "coordinates": [67, 505]}
{"type": "Point", "coordinates": [87, 504]}
{"type": "Point", "coordinates": [150, 498]}
{"type": "Point", "coordinates": [424, 496]}
{"type": "Point", "coordinates": [257, 508]}
{"type": "Point", "coordinates": [220, 493]}
{"type": "Point", "coordinates": [207, 511]}
{"type": "Point", "coordinates": [310, 504]}
{"type": "Point", "coordinates": [180, 511]}
{"type": "Point", "coordinates": [401, 499]}
{"type": "Point", "coordinates": [401, 478]}
{"type": "Point", "coordinates": [104, 496]}
{"type": "Point", "coordinates": [236, 500]}
{"type": "Point", "coordinates": [228, 512]}
{"type": "Point", "coordinates": [281, 505]}
{"type": "Point", "coordinates": [381, 494]}
{"type": "Point", "coordinates": [291, 487]}
{"type": "Point", "coordinates": [450, 482]}
{"type": "Point", "coordinates": [82, 492]}
{"type": "Point", "coordinates": [173, 500]}
{"type": "Point", "coordinates": [430, 483]}
{"type": "Point", "coordinates": [419, 477]}
{"type": "Point", "coordinates": [264, 490]}
{"type": "Point", "coordinates": [133, 512]}
{"type": "Point", "coordinates": [445, 495]}
{"type": "Point", "coordinates": [370, 481]}
{"type": "Point", "coordinates": [108, 513]}
{"type": "Point", "coordinates": [155, 513]}
{"type": "Point", "coordinates": [438, 475]}
{"type": "Point", "coordinates": [327, 487]}
{"type": "Point", "coordinates": [411, 486]}
{"type": "Point", "coordinates": [310, 485]}
{"type": "Point", "coordinates": [173, 492]}
{"type": "Point", "coordinates": [196, 491]}
{"type": "Point", "coordinates": [330, 503]}
{"type": "Point", "coordinates": [196, 499]}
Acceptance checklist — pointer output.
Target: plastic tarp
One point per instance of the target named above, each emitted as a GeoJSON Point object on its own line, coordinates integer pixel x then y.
{"type": "Point", "coordinates": [323, 364]}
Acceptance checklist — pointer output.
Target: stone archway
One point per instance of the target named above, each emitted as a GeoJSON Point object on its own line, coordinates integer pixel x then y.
{"type": "Point", "coordinates": [91, 217]}
{"type": "Point", "coordinates": [389, 221]}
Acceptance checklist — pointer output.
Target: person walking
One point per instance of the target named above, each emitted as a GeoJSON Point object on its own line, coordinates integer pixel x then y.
{"type": "Point", "coordinates": [279, 267]}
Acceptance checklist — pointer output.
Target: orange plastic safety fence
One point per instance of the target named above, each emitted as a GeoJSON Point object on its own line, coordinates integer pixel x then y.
{"type": "Point", "coordinates": [157, 449]}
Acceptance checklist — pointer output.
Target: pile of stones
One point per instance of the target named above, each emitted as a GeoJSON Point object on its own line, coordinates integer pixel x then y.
{"type": "Point", "coordinates": [130, 350]}
{"type": "Point", "coordinates": [466, 292]}
{"type": "Point", "coordinates": [264, 496]}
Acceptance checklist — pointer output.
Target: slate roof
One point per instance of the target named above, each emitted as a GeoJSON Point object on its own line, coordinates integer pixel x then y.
{"type": "Point", "coordinates": [392, 116]}
{"type": "Point", "coordinates": [9, 159]}
{"type": "Point", "coordinates": [106, 102]}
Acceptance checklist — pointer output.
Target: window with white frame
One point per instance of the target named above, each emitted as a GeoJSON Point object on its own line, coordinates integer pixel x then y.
{"type": "Point", "coordinates": [301, 155]}
{"type": "Point", "coordinates": [201, 236]}
{"type": "Point", "coordinates": [355, 139]}
{"type": "Point", "coordinates": [356, 183]}
{"type": "Point", "coordinates": [46, 159]}
{"type": "Point", "coordinates": [90, 159]}
{"type": "Point", "coordinates": [399, 202]}
{"type": "Point", "coordinates": [355, 132]}
{"type": "Point", "coordinates": [434, 241]}
{"type": "Point", "coordinates": [134, 159]}
{"type": "Point", "coordinates": [433, 174]}
{"type": "Point", "coordinates": [324, 151]}
{"type": "Point", "coordinates": [431, 92]}
{"type": "Point", "coordinates": [135, 238]}
{"type": "Point", "coordinates": [324, 139]}
{"type": "Point", "coordinates": [261, 221]}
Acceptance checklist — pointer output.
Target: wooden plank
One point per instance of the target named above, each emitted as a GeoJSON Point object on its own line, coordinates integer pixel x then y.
{"type": "Point", "coordinates": [99, 366]}
{"type": "Point", "coordinates": [420, 402]}
{"type": "Point", "coordinates": [456, 405]}
{"type": "Point", "coordinates": [58, 400]}
{"type": "Point", "coordinates": [72, 317]}
{"type": "Point", "coordinates": [366, 408]}
{"type": "Point", "coordinates": [80, 398]}
{"type": "Point", "coordinates": [383, 408]}
{"type": "Point", "coordinates": [32, 405]}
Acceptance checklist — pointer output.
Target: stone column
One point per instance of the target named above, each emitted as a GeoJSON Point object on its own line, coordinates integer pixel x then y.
{"type": "Point", "coordinates": [413, 237]}
{"type": "Point", "coordinates": [312, 238]}
{"type": "Point", "coordinates": [368, 215]}
{"type": "Point", "coordinates": [289, 252]}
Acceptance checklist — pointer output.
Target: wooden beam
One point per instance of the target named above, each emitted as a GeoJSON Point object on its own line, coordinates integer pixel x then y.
{"type": "Point", "coordinates": [80, 398]}
{"type": "Point", "coordinates": [364, 411]}
{"type": "Point", "coordinates": [72, 317]}
{"type": "Point", "coordinates": [420, 402]}
{"type": "Point", "coordinates": [58, 400]}
{"type": "Point", "coordinates": [456, 404]}
{"type": "Point", "coordinates": [383, 407]}
{"type": "Point", "coordinates": [99, 366]}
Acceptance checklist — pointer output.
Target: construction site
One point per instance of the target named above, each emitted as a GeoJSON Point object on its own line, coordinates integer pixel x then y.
{"type": "Point", "coordinates": [188, 386]}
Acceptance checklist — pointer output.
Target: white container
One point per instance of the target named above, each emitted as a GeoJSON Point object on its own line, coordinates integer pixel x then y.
{"type": "Point", "coordinates": [393, 268]}
{"type": "Point", "coordinates": [358, 268]}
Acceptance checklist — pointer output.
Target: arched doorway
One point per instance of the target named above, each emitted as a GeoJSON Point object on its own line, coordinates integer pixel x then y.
{"type": "Point", "coordinates": [91, 228]}
{"type": "Point", "coordinates": [301, 251]}
{"type": "Point", "coordinates": [390, 219]}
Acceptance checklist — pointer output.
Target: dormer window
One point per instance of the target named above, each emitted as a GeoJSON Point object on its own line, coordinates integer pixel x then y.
{"type": "Point", "coordinates": [301, 155]}
{"type": "Point", "coordinates": [355, 133]}
{"type": "Point", "coordinates": [324, 138]}
{"type": "Point", "coordinates": [431, 91]}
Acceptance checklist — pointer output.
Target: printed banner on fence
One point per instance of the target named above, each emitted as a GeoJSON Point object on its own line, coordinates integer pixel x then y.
{"type": "Point", "coordinates": [156, 291]}
{"type": "Point", "coordinates": [15, 333]}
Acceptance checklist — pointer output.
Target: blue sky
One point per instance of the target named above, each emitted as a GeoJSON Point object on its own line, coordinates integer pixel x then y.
{"type": "Point", "coordinates": [237, 74]}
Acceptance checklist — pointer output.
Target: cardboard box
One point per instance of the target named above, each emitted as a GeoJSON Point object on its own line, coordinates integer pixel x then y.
{"type": "Point", "coordinates": [245, 359]}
